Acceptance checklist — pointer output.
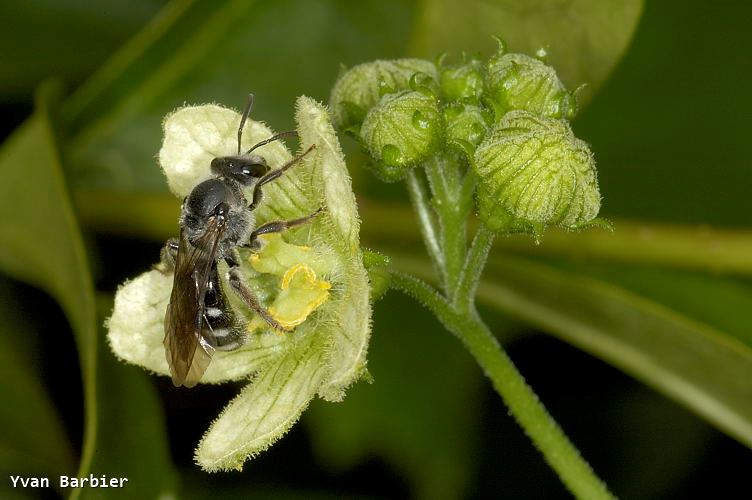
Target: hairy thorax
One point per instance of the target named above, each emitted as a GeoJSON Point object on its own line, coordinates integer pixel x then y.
{"type": "Point", "coordinates": [217, 201]}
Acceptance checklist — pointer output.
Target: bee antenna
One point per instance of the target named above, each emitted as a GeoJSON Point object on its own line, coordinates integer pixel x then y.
{"type": "Point", "coordinates": [246, 112]}
{"type": "Point", "coordinates": [273, 138]}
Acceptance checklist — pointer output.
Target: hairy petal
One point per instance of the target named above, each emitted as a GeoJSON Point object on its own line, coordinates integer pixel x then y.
{"type": "Point", "coordinates": [195, 135]}
{"type": "Point", "coordinates": [267, 408]}
{"type": "Point", "coordinates": [348, 312]}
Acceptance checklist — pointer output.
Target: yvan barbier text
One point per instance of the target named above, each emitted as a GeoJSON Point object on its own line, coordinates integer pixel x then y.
{"type": "Point", "coordinates": [91, 481]}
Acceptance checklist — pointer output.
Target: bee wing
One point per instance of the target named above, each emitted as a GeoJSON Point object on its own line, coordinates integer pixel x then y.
{"type": "Point", "coordinates": [188, 354]}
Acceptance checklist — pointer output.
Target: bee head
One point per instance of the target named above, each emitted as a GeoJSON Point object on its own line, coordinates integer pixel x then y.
{"type": "Point", "coordinates": [244, 169]}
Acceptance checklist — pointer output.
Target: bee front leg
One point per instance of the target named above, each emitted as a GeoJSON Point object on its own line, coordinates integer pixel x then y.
{"type": "Point", "coordinates": [274, 174]}
{"type": "Point", "coordinates": [167, 256]}
{"type": "Point", "coordinates": [237, 282]}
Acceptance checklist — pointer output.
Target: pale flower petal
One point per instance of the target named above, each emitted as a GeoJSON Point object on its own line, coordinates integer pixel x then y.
{"type": "Point", "coordinates": [267, 408]}
{"type": "Point", "coordinates": [195, 135]}
{"type": "Point", "coordinates": [349, 311]}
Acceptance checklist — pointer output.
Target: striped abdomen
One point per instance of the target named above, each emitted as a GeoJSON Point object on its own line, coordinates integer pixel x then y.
{"type": "Point", "coordinates": [220, 329]}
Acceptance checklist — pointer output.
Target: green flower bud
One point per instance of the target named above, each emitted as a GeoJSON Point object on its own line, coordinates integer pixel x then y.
{"type": "Point", "coordinates": [385, 173]}
{"type": "Point", "coordinates": [466, 126]}
{"type": "Point", "coordinates": [464, 82]}
{"type": "Point", "coordinates": [517, 81]}
{"type": "Point", "coordinates": [359, 89]}
{"type": "Point", "coordinates": [533, 172]}
{"type": "Point", "coordinates": [403, 129]}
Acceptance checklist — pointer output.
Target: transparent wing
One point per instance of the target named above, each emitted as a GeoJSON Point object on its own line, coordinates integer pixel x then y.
{"type": "Point", "coordinates": [188, 355]}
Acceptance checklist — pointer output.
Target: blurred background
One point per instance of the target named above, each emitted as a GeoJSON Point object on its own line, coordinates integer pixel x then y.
{"type": "Point", "coordinates": [639, 342]}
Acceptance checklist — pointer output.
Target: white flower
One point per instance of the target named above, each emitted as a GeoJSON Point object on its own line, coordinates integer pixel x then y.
{"type": "Point", "coordinates": [312, 278]}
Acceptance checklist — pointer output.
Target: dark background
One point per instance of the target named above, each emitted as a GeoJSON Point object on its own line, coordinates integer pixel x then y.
{"type": "Point", "coordinates": [669, 129]}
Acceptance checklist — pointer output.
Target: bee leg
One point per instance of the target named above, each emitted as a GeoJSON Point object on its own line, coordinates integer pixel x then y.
{"type": "Point", "coordinates": [274, 174]}
{"type": "Point", "coordinates": [167, 256]}
{"type": "Point", "coordinates": [235, 278]}
{"type": "Point", "coordinates": [278, 226]}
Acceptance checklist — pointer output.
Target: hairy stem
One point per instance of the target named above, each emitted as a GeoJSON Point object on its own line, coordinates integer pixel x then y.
{"type": "Point", "coordinates": [475, 262]}
{"type": "Point", "coordinates": [446, 184]}
{"type": "Point", "coordinates": [524, 405]}
{"type": "Point", "coordinates": [419, 197]}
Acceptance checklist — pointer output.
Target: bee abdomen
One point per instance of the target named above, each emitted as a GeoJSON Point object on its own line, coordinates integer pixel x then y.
{"type": "Point", "coordinates": [222, 335]}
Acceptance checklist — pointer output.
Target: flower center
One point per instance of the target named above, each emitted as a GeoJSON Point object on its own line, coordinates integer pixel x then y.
{"type": "Point", "coordinates": [300, 289]}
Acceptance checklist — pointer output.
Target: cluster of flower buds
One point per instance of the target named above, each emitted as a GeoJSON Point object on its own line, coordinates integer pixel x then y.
{"type": "Point", "coordinates": [507, 118]}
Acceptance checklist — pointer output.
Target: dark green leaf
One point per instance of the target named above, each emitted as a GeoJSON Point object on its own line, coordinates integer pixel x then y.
{"type": "Point", "coordinates": [45, 38]}
{"type": "Point", "coordinates": [42, 244]}
{"type": "Point", "coordinates": [680, 355]}
{"type": "Point", "coordinates": [670, 130]}
{"type": "Point", "coordinates": [710, 249]}
{"type": "Point", "coordinates": [584, 39]}
{"type": "Point", "coordinates": [34, 441]}
{"type": "Point", "coordinates": [722, 302]}
{"type": "Point", "coordinates": [219, 52]}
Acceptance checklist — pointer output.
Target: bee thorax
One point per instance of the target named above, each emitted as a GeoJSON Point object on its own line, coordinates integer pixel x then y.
{"type": "Point", "coordinates": [217, 205]}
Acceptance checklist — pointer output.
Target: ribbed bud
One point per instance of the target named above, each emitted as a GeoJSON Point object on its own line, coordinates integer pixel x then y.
{"type": "Point", "coordinates": [465, 126]}
{"type": "Point", "coordinates": [402, 130]}
{"type": "Point", "coordinates": [358, 89]}
{"type": "Point", "coordinates": [517, 81]}
{"type": "Point", "coordinates": [533, 173]}
{"type": "Point", "coordinates": [463, 82]}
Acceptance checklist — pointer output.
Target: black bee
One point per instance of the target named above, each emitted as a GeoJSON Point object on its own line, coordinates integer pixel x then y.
{"type": "Point", "coordinates": [215, 220]}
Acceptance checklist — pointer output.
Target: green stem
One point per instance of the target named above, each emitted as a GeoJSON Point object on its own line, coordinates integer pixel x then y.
{"type": "Point", "coordinates": [523, 403]}
{"type": "Point", "coordinates": [419, 196]}
{"type": "Point", "coordinates": [475, 262]}
{"type": "Point", "coordinates": [447, 187]}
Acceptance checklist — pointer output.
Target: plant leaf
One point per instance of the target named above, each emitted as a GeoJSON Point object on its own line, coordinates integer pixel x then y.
{"type": "Point", "coordinates": [42, 245]}
{"type": "Point", "coordinates": [718, 301]}
{"type": "Point", "coordinates": [584, 39]}
{"type": "Point", "coordinates": [48, 223]}
{"type": "Point", "coordinates": [74, 36]}
{"type": "Point", "coordinates": [35, 442]}
{"type": "Point", "coordinates": [686, 359]}
{"type": "Point", "coordinates": [710, 249]}
{"type": "Point", "coordinates": [665, 159]}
